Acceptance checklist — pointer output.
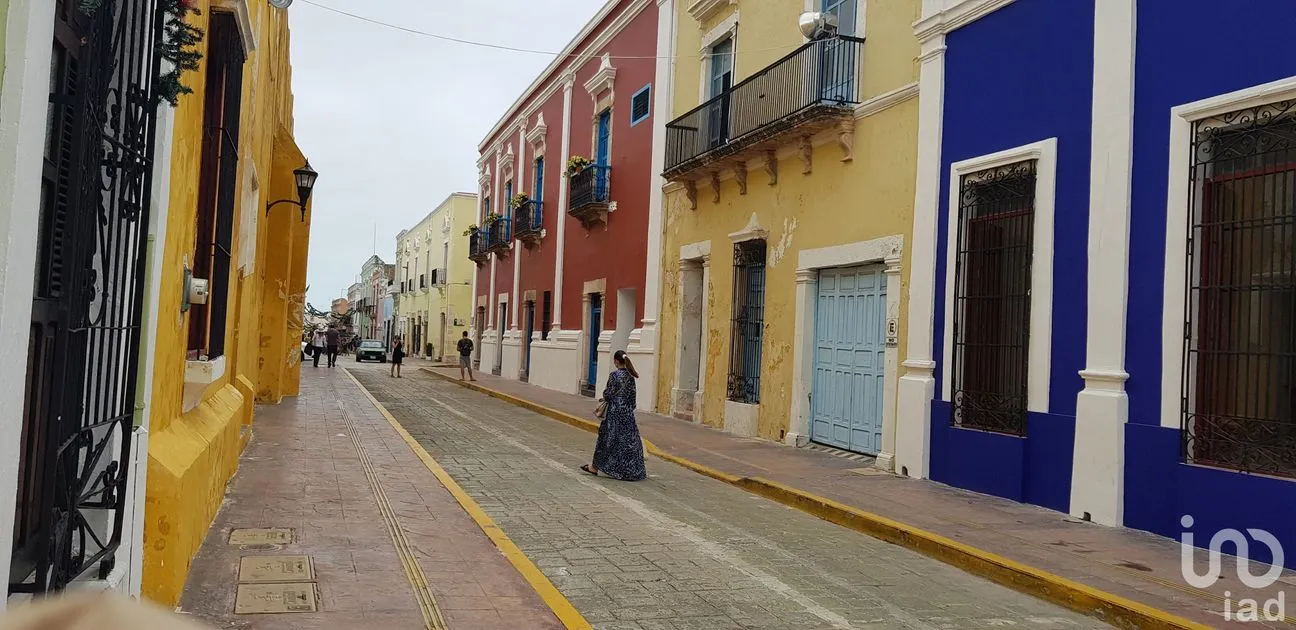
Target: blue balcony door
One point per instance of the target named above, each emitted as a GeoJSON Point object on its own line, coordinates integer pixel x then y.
{"type": "Point", "coordinates": [722, 65]}
{"type": "Point", "coordinates": [837, 58]}
{"type": "Point", "coordinates": [603, 154]}
{"type": "Point", "coordinates": [849, 359]}
{"type": "Point", "coordinates": [596, 319]}
{"type": "Point", "coordinates": [508, 199]}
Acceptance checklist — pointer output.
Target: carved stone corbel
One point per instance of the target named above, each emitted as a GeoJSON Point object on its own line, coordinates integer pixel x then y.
{"type": "Point", "coordinates": [715, 186]}
{"type": "Point", "coordinates": [807, 154]}
{"type": "Point", "coordinates": [690, 190]}
{"type": "Point", "coordinates": [771, 166]}
{"type": "Point", "coordinates": [740, 176]}
{"type": "Point", "coordinates": [846, 138]}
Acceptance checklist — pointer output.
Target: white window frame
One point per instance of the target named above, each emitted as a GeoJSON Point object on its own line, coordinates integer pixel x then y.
{"type": "Point", "coordinates": [1040, 350]}
{"type": "Point", "coordinates": [726, 29]}
{"type": "Point", "coordinates": [1178, 218]}
{"type": "Point", "coordinates": [645, 89]}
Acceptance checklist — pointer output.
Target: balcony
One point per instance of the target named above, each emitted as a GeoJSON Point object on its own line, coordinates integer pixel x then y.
{"type": "Point", "coordinates": [528, 222]}
{"type": "Point", "coordinates": [477, 251]}
{"type": "Point", "coordinates": [811, 90]}
{"type": "Point", "coordinates": [498, 236]}
{"type": "Point", "coordinates": [591, 196]}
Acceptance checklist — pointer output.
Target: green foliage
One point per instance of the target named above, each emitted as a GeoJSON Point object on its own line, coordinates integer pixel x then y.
{"type": "Point", "coordinates": [180, 45]}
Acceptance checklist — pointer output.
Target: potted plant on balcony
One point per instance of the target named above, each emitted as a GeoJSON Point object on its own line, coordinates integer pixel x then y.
{"type": "Point", "coordinates": [491, 219]}
{"type": "Point", "coordinates": [576, 164]}
{"type": "Point", "coordinates": [518, 201]}
{"type": "Point", "coordinates": [472, 229]}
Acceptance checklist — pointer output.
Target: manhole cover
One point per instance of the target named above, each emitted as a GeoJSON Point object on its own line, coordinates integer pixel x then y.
{"type": "Point", "coordinates": [270, 536]}
{"type": "Point", "coordinates": [275, 569]}
{"type": "Point", "coordinates": [261, 599]}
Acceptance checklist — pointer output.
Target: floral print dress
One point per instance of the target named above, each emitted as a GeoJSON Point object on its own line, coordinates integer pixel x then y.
{"type": "Point", "coordinates": [619, 453]}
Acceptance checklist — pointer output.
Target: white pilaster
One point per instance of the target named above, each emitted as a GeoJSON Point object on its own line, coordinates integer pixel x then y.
{"type": "Point", "coordinates": [560, 213]}
{"type": "Point", "coordinates": [519, 184]}
{"type": "Point", "coordinates": [807, 287]}
{"type": "Point", "coordinates": [23, 103]}
{"type": "Point", "coordinates": [1102, 408]}
{"type": "Point", "coordinates": [492, 311]}
{"type": "Point", "coordinates": [917, 387]}
{"type": "Point", "coordinates": [648, 349]}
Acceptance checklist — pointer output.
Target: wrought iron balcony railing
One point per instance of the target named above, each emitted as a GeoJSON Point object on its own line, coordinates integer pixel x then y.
{"type": "Point", "coordinates": [498, 235]}
{"type": "Point", "coordinates": [477, 250]}
{"type": "Point", "coordinates": [816, 81]}
{"type": "Point", "coordinates": [591, 188]}
{"type": "Point", "coordinates": [528, 220]}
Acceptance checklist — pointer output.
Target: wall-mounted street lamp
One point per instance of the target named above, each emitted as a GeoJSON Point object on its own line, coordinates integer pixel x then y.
{"type": "Point", "coordinates": [305, 177]}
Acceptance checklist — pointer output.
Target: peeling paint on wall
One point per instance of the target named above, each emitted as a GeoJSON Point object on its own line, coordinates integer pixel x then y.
{"type": "Point", "coordinates": [781, 247]}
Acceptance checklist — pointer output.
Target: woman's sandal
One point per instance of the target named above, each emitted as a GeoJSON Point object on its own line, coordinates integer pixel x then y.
{"type": "Point", "coordinates": [586, 468]}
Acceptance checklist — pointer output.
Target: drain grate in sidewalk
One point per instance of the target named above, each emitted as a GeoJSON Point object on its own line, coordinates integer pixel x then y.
{"type": "Point", "coordinates": [273, 584]}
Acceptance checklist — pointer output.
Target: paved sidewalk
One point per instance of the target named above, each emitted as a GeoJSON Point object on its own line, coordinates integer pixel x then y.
{"type": "Point", "coordinates": [372, 518]}
{"type": "Point", "coordinates": [1135, 565]}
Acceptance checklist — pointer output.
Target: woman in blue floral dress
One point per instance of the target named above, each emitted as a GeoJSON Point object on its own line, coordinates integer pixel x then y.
{"type": "Point", "coordinates": [619, 453]}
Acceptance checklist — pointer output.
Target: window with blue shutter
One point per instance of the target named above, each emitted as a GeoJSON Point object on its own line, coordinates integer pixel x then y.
{"type": "Point", "coordinates": [641, 105]}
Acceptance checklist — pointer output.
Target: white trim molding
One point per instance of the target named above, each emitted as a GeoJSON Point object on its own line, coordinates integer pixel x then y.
{"type": "Point", "coordinates": [888, 250]}
{"type": "Point", "coordinates": [1179, 212]}
{"type": "Point", "coordinates": [603, 80]}
{"type": "Point", "coordinates": [753, 231]}
{"type": "Point", "coordinates": [725, 28]}
{"type": "Point", "coordinates": [688, 403]}
{"type": "Point", "coordinates": [244, 18]}
{"type": "Point", "coordinates": [1102, 407]}
{"type": "Point", "coordinates": [887, 100]}
{"type": "Point", "coordinates": [941, 17]}
{"type": "Point", "coordinates": [536, 137]}
{"type": "Point", "coordinates": [702, 10]}
{"type": "Point", "coordinates": [1039, 352]}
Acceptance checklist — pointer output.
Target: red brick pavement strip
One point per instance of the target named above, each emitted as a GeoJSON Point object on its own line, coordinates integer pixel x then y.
{"type": "Point", "coordinates": [1130, 565]}
{"type": "Point", "coordinates": [302, 470]}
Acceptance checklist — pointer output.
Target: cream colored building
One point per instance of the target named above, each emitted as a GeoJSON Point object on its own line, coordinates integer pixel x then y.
{"type": "Point", "coordinates": [434, 278]}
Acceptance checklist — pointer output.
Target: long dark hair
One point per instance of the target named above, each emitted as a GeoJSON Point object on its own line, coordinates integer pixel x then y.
{"type": "Point", "coordinates": [621, 357]}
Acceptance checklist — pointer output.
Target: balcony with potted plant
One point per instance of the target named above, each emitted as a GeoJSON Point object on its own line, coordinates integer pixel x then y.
{"type": "Point", "coordinates": [591, 190]}
{"type": "Point", "coordinates": [498, 236]}
{"type": "Point", "coordinates": [528, 219]}
{"type": "Point", "coordinates": [477, 251]}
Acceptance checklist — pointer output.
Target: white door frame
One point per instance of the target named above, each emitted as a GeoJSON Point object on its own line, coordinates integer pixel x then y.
{"type": "Point", "coordinates": [699, 255]}
{"type": "Point", "coordinates": [887, 250]}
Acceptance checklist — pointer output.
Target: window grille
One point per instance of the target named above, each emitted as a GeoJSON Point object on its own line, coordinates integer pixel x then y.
{"type": "Point", "coordinates": [748, 322]}
{"type": "Point", "coordinates": [1239, 368]}
{"type": "Point", "coordinates": [992, 277]}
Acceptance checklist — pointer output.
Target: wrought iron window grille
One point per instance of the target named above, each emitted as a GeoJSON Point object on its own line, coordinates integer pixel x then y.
{"type": "Point", "coordinates": [1239, 348]}
{"type": "Point", "coordinates": [992, 276]}
{"type": "Point", "coordinates": [87, 313]}
{"type": "Point", "coordinates": [748, 322]}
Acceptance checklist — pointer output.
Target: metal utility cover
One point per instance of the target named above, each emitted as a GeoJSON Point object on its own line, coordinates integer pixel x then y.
{"type": "Point", "coordinates": [271, 536]}
{"type": "Point", "coordinates": [264, 569]}
{"type": "Point", "coordinates": [262, 599]}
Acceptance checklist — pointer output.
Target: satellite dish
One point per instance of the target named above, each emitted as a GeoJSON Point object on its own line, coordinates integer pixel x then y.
{"type": "Point", "coordinates": [814, 25]}
{"type": "Point", "coordinates": [281, 4]}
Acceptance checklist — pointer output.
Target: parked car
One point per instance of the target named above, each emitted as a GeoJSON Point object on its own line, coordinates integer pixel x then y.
{"type": "Point", "coordinates": [371, 349]}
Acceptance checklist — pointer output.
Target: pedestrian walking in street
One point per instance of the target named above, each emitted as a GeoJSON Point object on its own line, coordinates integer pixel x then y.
{"type": "Point", "coordinates": [333, 337]}
{"type": "Point", "coordinates": [619, 453]}
{"type": "Point", "coordinates": [465, 347]}
{"type": "Point", "coordinates": [398, 353]}
{"type": "Point", "coordinates": [318, 344]}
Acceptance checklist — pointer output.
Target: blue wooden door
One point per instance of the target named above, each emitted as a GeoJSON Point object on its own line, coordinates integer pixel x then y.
{"type": "Point", "coordinates": [849, 359]}
{"type": "Point", "coordinates": [721, 79]}
{"type": "Point", "coordinates": [596, 320]}
{"type": "Point", "coordinates": [601, 150]}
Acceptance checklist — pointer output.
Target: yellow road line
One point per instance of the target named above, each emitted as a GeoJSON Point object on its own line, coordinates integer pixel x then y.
{"type": "Point", "coordinates": [432, 617]}
{"type": "Point", "coordinates": [1111, 608]}
{"type": "Point", "coordinates": [552, 597]}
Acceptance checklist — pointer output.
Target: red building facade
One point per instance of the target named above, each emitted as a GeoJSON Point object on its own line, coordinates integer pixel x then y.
{"type": "Point", "coordinates": [568, 259]}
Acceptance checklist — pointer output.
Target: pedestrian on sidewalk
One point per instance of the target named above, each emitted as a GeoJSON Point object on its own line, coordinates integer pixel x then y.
{"type": "Point", "coordinates": [333, 337]}
{"type": "Point", "coordinates": [318, 343]}
{"type": "Point", "coordinates": [619, 452]}
{"type": "Point", "coordinates": [398, 353]}
{"type": "Point", "coordinates": [465, 347]}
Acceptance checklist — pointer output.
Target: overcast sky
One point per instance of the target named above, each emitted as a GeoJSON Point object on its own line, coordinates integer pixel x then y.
{"type": "Point", "coordinates": [391, 120]}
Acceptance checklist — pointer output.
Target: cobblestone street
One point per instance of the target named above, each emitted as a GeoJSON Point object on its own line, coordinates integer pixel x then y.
{"type": "Point", "coordinates": [681, 550]}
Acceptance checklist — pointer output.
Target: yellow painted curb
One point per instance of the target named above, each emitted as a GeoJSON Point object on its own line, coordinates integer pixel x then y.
{"type": "Point", "coordinates": [552, 597]}
{"type": "Point", "coordinates": [1110, 608]}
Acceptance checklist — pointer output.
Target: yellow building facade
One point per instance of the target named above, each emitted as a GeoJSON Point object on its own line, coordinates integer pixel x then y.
{"type": "Point", "coordinates": [434, 278]}
{"type": "Point", "coordinates": [242, 347]}
{"type": "Point", "coordinates": [789, 162]}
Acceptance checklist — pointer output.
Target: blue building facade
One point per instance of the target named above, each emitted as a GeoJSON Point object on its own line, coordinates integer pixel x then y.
{"type": "Point", "coordinates": [1112, 308]}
